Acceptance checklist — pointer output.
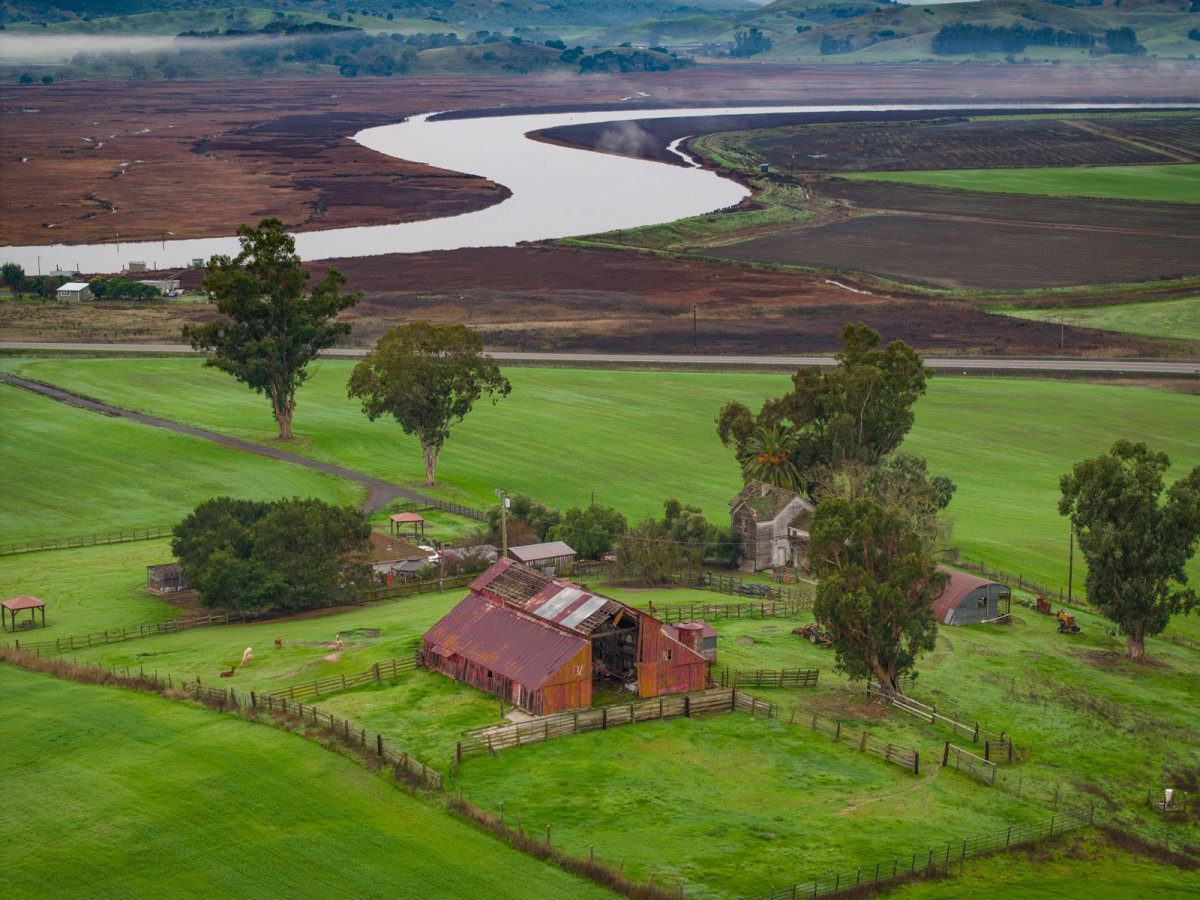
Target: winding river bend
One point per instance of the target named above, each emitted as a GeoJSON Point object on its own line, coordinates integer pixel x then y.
{"type": "Point", "coordinates": [556, 191]}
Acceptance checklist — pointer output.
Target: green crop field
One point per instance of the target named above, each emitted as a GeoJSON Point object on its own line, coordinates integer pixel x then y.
{"type": "Point", "coordinates": [71, 472]}
{"type": "Point", "coordinates": [1178, 319]}
{"type": "Point", "coordinates": [111, 793]}
{"type": "Point", "coordinates": [1177, 183]}
{"type": "Point", "coordinates": [635, 438]}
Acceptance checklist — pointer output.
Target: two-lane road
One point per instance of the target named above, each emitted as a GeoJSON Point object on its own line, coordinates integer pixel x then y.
{"type": "Point", "coordinates": [949, 364]}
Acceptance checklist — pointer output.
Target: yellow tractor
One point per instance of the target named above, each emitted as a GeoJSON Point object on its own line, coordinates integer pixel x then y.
{"type": "Point", "coordinates": [1066, 623]}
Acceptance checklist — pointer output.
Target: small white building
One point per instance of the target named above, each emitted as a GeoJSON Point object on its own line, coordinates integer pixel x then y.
{"type": "Point", "coordinates": [74, 292]}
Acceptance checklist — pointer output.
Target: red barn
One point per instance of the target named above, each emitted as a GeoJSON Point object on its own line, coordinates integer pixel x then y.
{"type": "Point", "coordinates": [539, 643]}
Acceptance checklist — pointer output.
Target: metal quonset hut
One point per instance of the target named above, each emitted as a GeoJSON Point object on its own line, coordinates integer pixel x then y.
{"type": "Point", "coordinates": [540, 643]}
{"type": "Point", "coordinates": [968, 598]}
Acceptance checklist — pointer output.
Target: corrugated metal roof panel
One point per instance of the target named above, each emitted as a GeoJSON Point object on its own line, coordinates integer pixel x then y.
{"type": "Point", "coordinates": [550, 550]}
{"type": "Point", "coordinates": [501, 639]}
{"type": "Point", "coordinates": [557, 603]}
{"type": "Point", "coordinates": [584, 610]}
{"type": "Point", "coordinates": [957, 588]}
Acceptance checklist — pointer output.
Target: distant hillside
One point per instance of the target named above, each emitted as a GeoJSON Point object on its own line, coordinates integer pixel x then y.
{"type": "Point", "coordinates": [876, 30]}
{"type": "Point", "coordinates": [491, 14]}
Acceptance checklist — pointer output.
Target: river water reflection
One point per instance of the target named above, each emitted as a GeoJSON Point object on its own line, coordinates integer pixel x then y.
{"type": "Point", "coordinates": [556, 191]}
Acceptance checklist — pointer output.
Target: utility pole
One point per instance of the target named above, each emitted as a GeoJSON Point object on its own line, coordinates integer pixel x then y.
{"type": "Point", "coordinates": [503, 495]}
{"type": "Point", "coordinates": [695, 336]}
{"type": "Point", "coordinates": [1071, 567]}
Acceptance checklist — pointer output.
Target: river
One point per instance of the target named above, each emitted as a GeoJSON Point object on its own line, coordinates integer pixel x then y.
{"type": "Point", "coordinates": [556, 191]}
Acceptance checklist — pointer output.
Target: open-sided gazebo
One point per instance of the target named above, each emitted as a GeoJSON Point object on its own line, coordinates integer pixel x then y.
{"type": "Point", "coordinates": [15, 605]}
{"type": "Point", "coordinates": [402, 520]}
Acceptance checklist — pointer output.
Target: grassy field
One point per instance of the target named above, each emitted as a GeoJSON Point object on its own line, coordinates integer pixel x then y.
{"type": "Point", "coordinates": [991, 436]}
{"type": "Point", "coordinates": [1174, 183]}
{"type": "Point", "coordinates": [70, 472]}
{"type": "Point", "coordinates": [147, 797]}
{"type": "Point", "coordinates": [1178, 319]}
{"type": "Point", "coordinates": [741, 804]}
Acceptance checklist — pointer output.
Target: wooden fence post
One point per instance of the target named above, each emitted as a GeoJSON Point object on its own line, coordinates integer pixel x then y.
{"type": "Point", "coordinates": [838, 732]}
{"type": "Point", "coordinates": [946, 753]}
{"type": "Point", "coordinates": [379, 744]}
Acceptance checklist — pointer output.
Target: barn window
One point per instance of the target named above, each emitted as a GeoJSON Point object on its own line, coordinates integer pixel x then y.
{"type": "Point", "coordinates": [982, 603]}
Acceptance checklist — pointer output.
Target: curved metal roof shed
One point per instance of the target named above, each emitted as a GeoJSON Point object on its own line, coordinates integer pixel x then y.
{"type": "Point", "coordinates": [967, 599]}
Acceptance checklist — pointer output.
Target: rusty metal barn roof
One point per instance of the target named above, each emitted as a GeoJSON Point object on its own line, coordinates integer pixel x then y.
{"type": "Point", "coordinates": [22, 603]}
{"type": "Point", "coordinates": [511, 581]}
{"type": "Point", "coordinates": [958, 587]}
{"type": "Point", "coordinates": [504, 640]}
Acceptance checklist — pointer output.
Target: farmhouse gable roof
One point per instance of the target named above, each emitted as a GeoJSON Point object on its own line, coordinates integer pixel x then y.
{"type": "Point", "coordinates": [764, 501]}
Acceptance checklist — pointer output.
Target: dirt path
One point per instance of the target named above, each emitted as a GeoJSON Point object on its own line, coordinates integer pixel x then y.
{"type": "Point", "coordinates": [379, 492]}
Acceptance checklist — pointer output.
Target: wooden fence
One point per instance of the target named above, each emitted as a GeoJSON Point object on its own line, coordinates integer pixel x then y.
{"type": "Point", "coordinates": [544, 728]}
{"type": "Point", "coordinates": [998, 751]}
{"type": "Point", "coordinates": [897, 754]}
{"type": "Point", "coordinates": [127, 633]}
{"type": "Point", "coordinates": [411, 588]}
{"type": "Point", "coordinates": [930, 861]}
{"type": "Point", "coordinates": [769, 678]}
{"type": "Point", "coordinates": [966, 761]}
{"type": "Point", "coordinates": [468, 512]}
{"type": "Point", "coordinates": [711, 612]}
{"type": "Point", "coordinates": [143, 533]}
{"type": "Point", "coordinates": [344, 730]}
{"type": "Point", "coordinates": [734, 584]}
{"type": "Point", "coordinates": [971, 730]}
{"type": "Point", "coordinates": [390, 668]}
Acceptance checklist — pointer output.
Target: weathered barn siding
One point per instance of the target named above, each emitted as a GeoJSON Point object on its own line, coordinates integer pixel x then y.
{"type": "Point", "coordinates": [666, 666]}
{"type": "Point", "coordinates": [571, 686]}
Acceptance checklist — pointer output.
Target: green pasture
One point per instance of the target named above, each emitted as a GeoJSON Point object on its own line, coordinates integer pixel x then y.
{"type": "Point", "coordinates": [71, 472]}
{"type": "Point", "coordinates": [112, 793]}
{"type": "Point", "coordinates": [741, 803]}
{"type": "Point", "coordinates": [635, 438]}
{"type": "Point", "coordinates": [1173, 183]}
{"type": "Point", "coordinates": [1177, 319]}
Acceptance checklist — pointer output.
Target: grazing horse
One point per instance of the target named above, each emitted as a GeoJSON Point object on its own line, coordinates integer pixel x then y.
{"type": "Point", "coordinates": [278, 643]}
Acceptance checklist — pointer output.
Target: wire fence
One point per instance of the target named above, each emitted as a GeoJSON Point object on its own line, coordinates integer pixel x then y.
{"type": "Point", "coordinates": [928, 862]}
{"type": "Point", "coordinates": [127, 633]}
{"type": "Point", "coordinates": [124, 535]}
{"type": "Point", "coordinates": [346, 731]}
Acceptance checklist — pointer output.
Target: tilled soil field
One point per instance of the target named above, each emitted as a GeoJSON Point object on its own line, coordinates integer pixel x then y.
{"type": "Point", "coordinates": [953, 252]}
{"type": "Point", "coordinates": [991, 143]}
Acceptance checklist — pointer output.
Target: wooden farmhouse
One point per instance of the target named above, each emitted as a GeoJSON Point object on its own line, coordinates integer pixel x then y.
{"type": "Point", "coordinates": [967, 598]}
{"type": "Point", "coordinates": [773, 526]}
{"type": "Point", "coordinates": [540, 643]}
{"type": "Point", "coordinates": [555, 557]}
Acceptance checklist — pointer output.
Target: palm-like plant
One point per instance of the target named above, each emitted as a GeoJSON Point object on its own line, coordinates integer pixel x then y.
{"type": "Point", "coordinates": [769, 456]}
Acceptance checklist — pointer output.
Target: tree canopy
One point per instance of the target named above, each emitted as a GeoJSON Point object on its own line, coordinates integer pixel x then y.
{"type": "Point", "coordinates": [1136, 544]}
{"type": "Point", "coordinates": [589, 532]}
{"type": "Point", "coordinates": [858, 411]}
{"type": "Point", "coordinates": [427, 377]}
{"type": "Point", "coordinates": [285, 554]}
{"type": "Point", "coordinates": [876, 586]}
{"type": "Point", "coordinates": [655, 551]}
{"type": "Point", "coordinates": [271, 328]}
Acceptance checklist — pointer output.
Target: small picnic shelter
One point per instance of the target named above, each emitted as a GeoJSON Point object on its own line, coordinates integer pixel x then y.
{"type": "Point", "coordinates": [400, 521]}
{"type": "Point", "coordinates": [15, 605]}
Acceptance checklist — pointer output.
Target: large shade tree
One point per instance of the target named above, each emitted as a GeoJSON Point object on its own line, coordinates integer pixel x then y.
{"type": "Point", "coordinates": [285, 554]}
{"type": "Point", "coordinates": [876, 587]}
{"type": "Point", "coordinates": [1136, 543]}
{"type": "Point", "coordinates": [427, 377]}
{"type": "Point", "coordinates": [856, 412]}
{"type": "Point", "coordinates": [271, 328]}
